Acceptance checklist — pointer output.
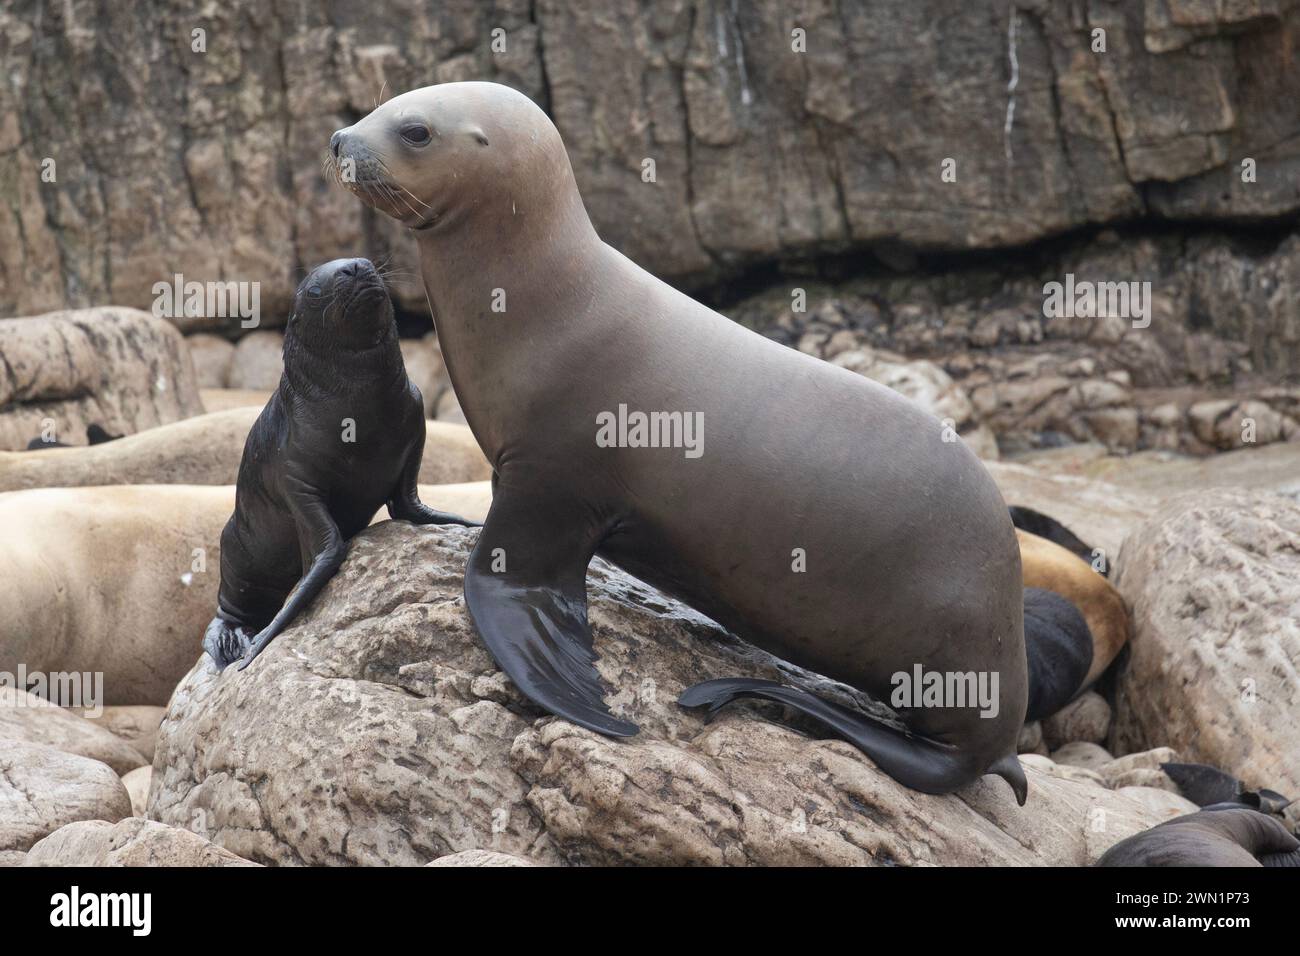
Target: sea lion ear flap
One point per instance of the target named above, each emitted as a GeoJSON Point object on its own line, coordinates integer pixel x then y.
{"type": "Point", "coordinates": [478, 134]}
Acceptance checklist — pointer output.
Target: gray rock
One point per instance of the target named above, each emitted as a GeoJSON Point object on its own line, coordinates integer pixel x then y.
{"type": "Point", "coordinates": [26, 717]}
{"type": "Point", "coordinates": [43, 788]}
{"type": "Point", "coordinates": [212, 356]}
{"type": "Point", "coordinates": [257, 362]}
{"type": "Point", "coordinates": [1086, 718]}
{"type": "Point", "coordinates": [132, 842]}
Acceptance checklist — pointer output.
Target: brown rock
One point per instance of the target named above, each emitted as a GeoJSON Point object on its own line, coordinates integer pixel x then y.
{"type": "Point", "coordinates": [43, 788]}
{"type": "Point", "coordinates": [132, 842]}
{"type": "Point", "coordinates": [26, 717]}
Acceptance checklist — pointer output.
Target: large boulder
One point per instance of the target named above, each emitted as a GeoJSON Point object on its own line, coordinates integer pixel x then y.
{"type": "Point", "coordinates": [133, 842]}
{"type": "Point", "coordinates": [206, 450]}
{"type": "Point", "coordinates": [43, 788]}
{"type": "Point", "coordinates": [25, 716]}
{"type": "Point", "coordinates": [1214, 583]}
{"type": "Point", "coordinates": [377, 730]}
{"type": "Point", "coordinates": [121, 369]}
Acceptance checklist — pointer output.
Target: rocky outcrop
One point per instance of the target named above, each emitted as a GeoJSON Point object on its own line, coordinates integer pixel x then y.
{"type": "Point", "coordinates": [121, 369]}
{"type": "Point", "coordinates": [26, 717]}
{"type": "Point", "coordinates": [846, 146]}
{"type": "Point", "coordinates": [1213, 580]}
{"type": "Point", "coordinates": [137, 725]}
{"type": "Point", "coordinates": [43, 788]}
{"type": "Point", "coordinates": [377, 730]}
{"type": "Point", "coordinates": [133, 842]}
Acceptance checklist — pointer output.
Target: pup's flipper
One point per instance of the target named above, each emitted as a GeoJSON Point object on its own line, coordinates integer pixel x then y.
{"type": "Point", "coordinates": [1058, 646]}
{"type": "Point", "coordinates": [226, 642]}
{"type": "Point", "coordinates": [913, 761]}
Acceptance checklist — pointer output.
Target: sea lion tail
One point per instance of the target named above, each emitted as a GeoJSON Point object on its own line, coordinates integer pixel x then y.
{"type": "Point", "coordinates": [913, 761]}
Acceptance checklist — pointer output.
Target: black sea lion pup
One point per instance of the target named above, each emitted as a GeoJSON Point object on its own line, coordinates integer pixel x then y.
{"type": "Point", "coordinates": [341, 436]}
{"type": "Point", "coordinates": [1231, 836]}
{"type": "Point", "coordinates": [548, 334]}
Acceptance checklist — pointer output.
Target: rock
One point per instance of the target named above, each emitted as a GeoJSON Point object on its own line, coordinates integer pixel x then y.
{"type": "Point", "coordinates": [132, 842]}
{"type": "Point", "coordinates": [257, 362]}
{"type": "Point", "coordinates": [448, 409]}
{"type": "Point", "coordinates": [481, 858]}
{"type": "Point", "coordinates": [827, 140]}
{"type": "Point", "coordinates": [1086, 718]}
{"type": "Point", "coordinates": [1143, 760]}
{"type": "Point", "coordinates": [12, 858]}
{"type": "Point", "coordinates": [1063, 771]}
{"type": "Point", "coordinates": [121, 369]}
{"type": "Point", "coordinates": [425, 367]}
{"type": "Point", "coordinates": [1214, 582]}
{"type": "Point", "coordinates": [212, 356]}
{"type": "Point", "coordinates": [165, 540]}
{"type": "Point", "coordinates": [1082, 753]}
{"type": "Point", "coordinates": [206, 450]}
{"type": "Point", "coordinates": [384, 676]}
{"type": "Point", "coordinates": [137, 785]}
{"type": "Point", "coordinates": [1159, 799]}
{"type": "Point", "coordinates": [224, 399]}
{"type": "Point", "coordinates": [27, 717]}
{"type": "Point", "coordinates": [43, 788]}
{"type": "Point", "coordinates": [137, 725]}
{"type": "Point", "coordinates": [1142, 777]}
{"type": "Point", "coordinates": [1031, 738]}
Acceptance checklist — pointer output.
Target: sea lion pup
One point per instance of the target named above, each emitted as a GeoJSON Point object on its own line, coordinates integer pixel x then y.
{"type": "Point", "coordinates": [1075, 623]}
{"type": "Point", "coordinates": [341, 436]}
{"type": "Point", "coordinates": [826, 519]}
{"type": "Point", "coordinates": [1230, 836]}
{"type": "Point", "coordinates": [1045, 526]}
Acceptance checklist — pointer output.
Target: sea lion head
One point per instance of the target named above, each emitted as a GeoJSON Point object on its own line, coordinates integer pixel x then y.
{"type": "Point", "coordinates": [438, 157]}
{"type": "Point", "coordinates": [342, 305]}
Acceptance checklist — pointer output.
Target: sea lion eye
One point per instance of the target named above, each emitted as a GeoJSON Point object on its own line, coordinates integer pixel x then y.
{"type": "Point", "coordinates": [416, 134]}
{"type": "Point", "coordinates": [314, 290]}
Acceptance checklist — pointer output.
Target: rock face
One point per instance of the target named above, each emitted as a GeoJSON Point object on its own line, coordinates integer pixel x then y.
{"type": "Point", "coordinates": [43, 788]}
{"type": "Point", "coordinates": [121, 369]}
{"type": "Point", "coordinates": [133, 842]}
{"type": "Point", "coordinates": [844, 139]}
{"type": "Point", "coordinates": [25, 716]}
{"type": "Point", "coordinates": [1213, 580]}
{"type": "Point", "coordinates": [377, 730]}
{"type": "Point", "coordinates": [206, 450]}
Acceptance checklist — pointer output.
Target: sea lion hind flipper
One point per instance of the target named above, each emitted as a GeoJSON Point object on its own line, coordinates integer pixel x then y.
{"type": "Point", "coordinates": [913, 761]}
{"type": "Point", "coordinates": [1058, 648]}
{"type": "Point", "coordinates": [225, 642]}
{"type": "Point", "coordinates": [525, 586]}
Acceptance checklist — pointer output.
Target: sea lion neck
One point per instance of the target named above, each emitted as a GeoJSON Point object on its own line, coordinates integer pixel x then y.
{"type": "Point", "coordinates": [314, 369]}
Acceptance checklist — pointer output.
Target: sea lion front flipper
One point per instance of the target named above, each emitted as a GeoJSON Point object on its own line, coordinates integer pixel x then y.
{"type": "Point", "coordinates": [404, 503]}
{"type": "Point", "coordinates": [526, 588]}
{"type": "Point", "coordinates": [320, 537]}
{"type": "Point", "coordinates": [912, 760]}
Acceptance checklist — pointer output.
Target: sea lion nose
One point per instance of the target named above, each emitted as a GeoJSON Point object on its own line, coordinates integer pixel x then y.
{"type": "Point", "coordinates": [336, 143]}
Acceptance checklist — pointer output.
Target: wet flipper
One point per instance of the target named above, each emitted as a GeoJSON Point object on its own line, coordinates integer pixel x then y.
{"type": "Point", "coordinates": [913, 761]}
{"type": "Point", "coordinates": [322, 543]}
{"type": "Point", "coordinates": [1058, 648]}
{"type": "Point", "coordinates": [226, 642]}
{"type": "Point", "coordinates": [526, 588]}
{"type": "Point", "coordinates": [405, 505]}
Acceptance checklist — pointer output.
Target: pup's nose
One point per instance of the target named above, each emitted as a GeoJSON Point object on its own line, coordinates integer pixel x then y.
{"type": "Point", "coordinates": [355, 268]}
{"type": "Point", "coordinates": [336, 143]}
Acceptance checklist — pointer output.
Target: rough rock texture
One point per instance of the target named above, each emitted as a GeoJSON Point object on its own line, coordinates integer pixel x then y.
{"type": "Point", "coordinates": [43, 788]}
{"type": "Point", "coordinates": [206, 450]}
{"type": "Point", "coordinates": [1086, 718]}
{"type": "Point", "coordinates": [257, 362]}
{"type": "Point", "coordinates": [845, 141]}
{"type": "Point", "coordinates": [24, 716]}
{"type": "Point", "coordinates": [376, 730]}
{"type": "Point", "coordinates": [133, 842]}
{"type": "Point", "coordinates": [121, 369]}
{"type": "Point", "coordinates": [481, 858]}
{"type": "Point", "coordinates": [1213, 580]}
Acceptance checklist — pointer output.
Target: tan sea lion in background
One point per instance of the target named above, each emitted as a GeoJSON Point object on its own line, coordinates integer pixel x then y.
{"type": "Point", "coordinates": [205, 450]}
{"type": "Point", "coordinates": [549, 334]}
{"type": "Point", "coordinates": [106, 578]}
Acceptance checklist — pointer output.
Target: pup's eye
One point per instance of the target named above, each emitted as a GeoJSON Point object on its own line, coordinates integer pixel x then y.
{"type": "Point", "coordinates": [314, 290]}
{"type": "Point", "coordinates": [416, 134]}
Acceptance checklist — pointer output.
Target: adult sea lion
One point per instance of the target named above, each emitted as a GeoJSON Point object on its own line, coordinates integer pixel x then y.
{"type": "Point", "coordinates": [1230, 836]}
{"type": "Point", "coordinates": [825, 518]}
{"type": "Point", "coordinates": [341, 436]}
